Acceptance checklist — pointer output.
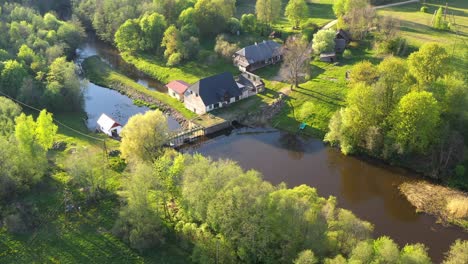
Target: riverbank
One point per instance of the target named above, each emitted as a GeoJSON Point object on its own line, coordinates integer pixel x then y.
{"type": "Point", "coordinates": [100, 73]}
{"type": "Point", "coordinates": [448, 205]}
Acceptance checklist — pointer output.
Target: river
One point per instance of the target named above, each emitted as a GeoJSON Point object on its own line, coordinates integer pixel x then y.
{"type": "Point", "coordinates": [367, 188]}
{"type": "Point", "coordinates": [98, 99]}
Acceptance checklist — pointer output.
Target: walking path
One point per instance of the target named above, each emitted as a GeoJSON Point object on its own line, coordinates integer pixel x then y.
{"type": "Point", "coordinates": [332, 23]}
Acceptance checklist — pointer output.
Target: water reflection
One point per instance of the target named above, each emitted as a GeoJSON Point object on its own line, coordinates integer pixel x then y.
{"type": "Point", "coordinates": [367, 189]}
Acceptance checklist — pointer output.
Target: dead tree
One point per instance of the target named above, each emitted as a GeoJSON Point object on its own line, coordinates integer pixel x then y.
{"type": "Point", "coordinates": [296, 59]}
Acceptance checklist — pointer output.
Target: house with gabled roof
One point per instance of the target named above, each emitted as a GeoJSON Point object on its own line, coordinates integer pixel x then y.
{"type": "Point", "coordinates": [177, 89]}
{"type": "Point", "coordinates": [109, 126]}
{"type": "Point", "coordinates": [213, 92]}
{"type": "Point", "coordinates": [256, 56]}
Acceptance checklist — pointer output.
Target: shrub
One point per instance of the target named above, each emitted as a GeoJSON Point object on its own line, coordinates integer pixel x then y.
{"type": "Point", "coordinates": [233, 25]}
{"type": "Point", "coordinates": [347, 54]}
{"type": "Point", "coordinates": [424, 9]}
{"type": "Point", "coordinates": [224, 48]}
{"type": "Point", "coordinates": [174, 59]}
{"type": "Point", "coordinates": [460, 171]}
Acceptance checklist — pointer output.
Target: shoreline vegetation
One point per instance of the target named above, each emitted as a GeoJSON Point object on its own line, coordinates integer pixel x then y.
{"type": "Point", "coordinates": [450, 206]}
{"type": "Point", "coordinates": [98, 72]}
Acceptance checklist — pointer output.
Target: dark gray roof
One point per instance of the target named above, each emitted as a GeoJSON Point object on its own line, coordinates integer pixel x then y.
{"type": "Point", "coordinates": [215, 89]}
{"type": "Point", "coordinates": [260, 51]}
{"type": "Point", "coordinates": [340, 44]}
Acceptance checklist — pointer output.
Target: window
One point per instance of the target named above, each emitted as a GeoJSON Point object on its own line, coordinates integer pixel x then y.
{"type": "Point", "coordinates": [216, 105]}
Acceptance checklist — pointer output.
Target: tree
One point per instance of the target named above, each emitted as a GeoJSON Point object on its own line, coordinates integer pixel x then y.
{"type": "Point", "coordinates": [248, 23]}
{"type": "Point", "coordinates": [458, 253]}
{"type": "Point", "coordinates": [429, 63]}
{"type": "Point", "coordinates": [186, 17]}
{"type": "Point", "coordinates": [385, 250]}
{"type": "Point", "coordinates": [306, 257]}
{"type": "Point", "coordinates": [139, 220]}
{"type": "Point", "coordinates": [211, 16]}
{"type": "Point", "coordinates": [233, 25]}
{"type": "Point", "coordinates": [72, 34]}
{"type": "Point", "coordinates": [268, 10]}
{"type": "Point", "coordinates": [171, 41]}
{"type": "Point", "coordinates": [152, 29]}
{"type": "Point", "coordinates": [414, 254]}
{"type": "Point", "coordinates": [45, 130]}
{"type": "Point", "coordinates": [63, 89]}
{"type": "Point", "coordinates": [8, 112]}
{"type": "Point", "coordinates": [323, 41]}
{"type": "Point", "coordinates": [128, 36]}
{"type": "Point", "coordinates": [439, 22]}
{"type": "Point", "coordinates": [11, 78]}
{"type": "Point", "coordinates": [143, 136]}
{"type": "Point", "coordinates": [296, 58]}
{"type": "Point", "coordinates": [296, 11]}
{"type": "Point", "coordinates": [414, 122]}
{"type": "Point", "coordinates": [365, 72]}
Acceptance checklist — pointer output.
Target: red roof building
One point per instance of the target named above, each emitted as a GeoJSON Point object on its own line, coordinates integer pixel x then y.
{"type": "Point", "coordinates": [177, 89]}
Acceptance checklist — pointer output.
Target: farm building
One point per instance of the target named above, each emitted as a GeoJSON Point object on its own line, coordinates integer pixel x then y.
{"type": "Point", "coordinates": [256, 56]}
{"type": "Point", "coordinates": [108, 126]}
{"type": "Point", "coordinates": [213, 92]}
{"type": "Point", "coordinates": [177, 89]}
{"type": "Point", "coordinates": [328, 57]}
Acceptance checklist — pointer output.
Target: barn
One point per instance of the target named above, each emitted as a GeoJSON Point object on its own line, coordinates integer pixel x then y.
{"type": "Point", "coordinates": [109, 126]}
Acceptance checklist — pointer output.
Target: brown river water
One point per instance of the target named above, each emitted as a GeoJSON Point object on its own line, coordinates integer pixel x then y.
{"type": "Point", "coordinates": [367, 188]}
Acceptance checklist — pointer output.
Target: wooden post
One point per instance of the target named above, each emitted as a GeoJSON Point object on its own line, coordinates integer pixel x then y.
{"type": "Point", "coordinates": [445, 12]}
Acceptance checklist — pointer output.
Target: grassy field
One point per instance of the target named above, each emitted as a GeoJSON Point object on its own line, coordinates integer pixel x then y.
{"type": "Point", "coordinates": [100, 73]}
{"type": "Point", "coordinates": [416, 26]}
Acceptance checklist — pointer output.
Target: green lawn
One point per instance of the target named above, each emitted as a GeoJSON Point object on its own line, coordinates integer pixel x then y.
{"type": "Point", "coordinates": [416, 26]}
{"type": "Point", "coordinates": [100, 73]}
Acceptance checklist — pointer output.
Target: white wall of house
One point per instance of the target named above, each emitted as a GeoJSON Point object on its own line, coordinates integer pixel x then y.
{"type": "Point", "coordinates": [175, 95]}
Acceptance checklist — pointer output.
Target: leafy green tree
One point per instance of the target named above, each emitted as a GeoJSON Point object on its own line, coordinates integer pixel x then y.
{"type": "Point", "coordinates": [439, 22]}
{"type": "Point", "coordinates": [248, 23]}
{"type": "Point", "coordinates": [385, 250]}
{"type": "Point", "coordinates": [25, 133]}
{"type": "Point", "coordinates": [429, 63]}
{"type": "Point", "coordinates": [306, 257]}
{"type": "Point", "coordinates": [414, 254]}
{"type": "Point", "coordinates": [233, 25]}
{"type": "Point", "coordinates": [11, 78]}
{"type": "Point", "coordinates": [458, 252]}
{"type": "Point", "coordinates": [152, 29]}
{"type": "Point", "coordinates": [171, 41]}
{"type": "Point", "coordinates": [144, 136]}
{"type": "Point", "coordinates": [128, 36]}
{"type": "Point", "coordinates": [324, 41]}
{"type": "Point", "coordinates": [414, 122]}
{"type": "Point", "coordinates": [139, 220]}
{"type": "Point", "coordinates": [211, 16]}
{"type": "Point", "coordinates": [393, 82]}
{"type": "Point", "coordinates": [8, 112]}
{"type": "Point", "coordinates": [45, 130]}
{"type": "Point", "coordinates": [296, 11]}
{"type": "Point", "coordinates": [63, 89]}
{"type": "Point", "coordinates": [268, 10]}
{"type": "Point", "coordinates": [72, 34]}
{"type": "Point", "coordinates": [90, 170]}
{"type": "Point", "coordinates": [202, 180]}
{"type": "Point", "coordinates": [186, 17]}
{"type": "Point", "coordinates": [237, 211]}
{"type": "Point", "coordinates": [363, 71]}
{"type": "Point", "coordinates": [26, 55]}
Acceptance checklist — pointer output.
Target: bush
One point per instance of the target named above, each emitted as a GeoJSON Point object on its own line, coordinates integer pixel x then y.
{"type": "Point", "coordinates": [224, 48]}
{"type": "Point", "coordinates": [424, 9]}
{"type": "Point", "coordinates": [460, 171]}
{"type": "Point", "coordinates": [233, 25]}
{"type": "Point", "coordinates": [347, 54]}
{"type": "Point", "coordinates": [174, 59]}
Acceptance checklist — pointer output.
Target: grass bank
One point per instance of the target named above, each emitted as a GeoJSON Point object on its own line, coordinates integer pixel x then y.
{"type": "Point", "coordinates": [100, 73]}
{"type": "Point", "coordinates": [449, 205]}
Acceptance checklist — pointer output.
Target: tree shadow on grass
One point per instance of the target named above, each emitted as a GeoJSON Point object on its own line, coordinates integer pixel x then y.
{"type": "Point", "coordinates": [319, 96]}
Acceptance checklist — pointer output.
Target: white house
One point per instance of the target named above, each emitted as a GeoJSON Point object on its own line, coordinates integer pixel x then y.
{"type": "Point", "coordinates": [108, 126]}
{"type": "Point", "coordinates": [213, 92]}
{"type": "Point", "coordinates": [177, 89]}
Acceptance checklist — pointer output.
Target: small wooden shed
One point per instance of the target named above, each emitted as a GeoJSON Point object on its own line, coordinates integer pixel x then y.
{"type": "Point", "coordinates": [109, 126]}
{"type": "Point", "coordinates": [328, 57]}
